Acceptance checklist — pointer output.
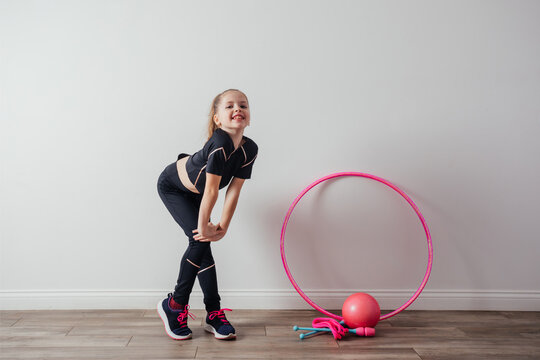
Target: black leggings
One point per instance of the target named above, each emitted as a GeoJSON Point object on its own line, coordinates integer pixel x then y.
{"type": "Point", "coordinates": [197, 260]}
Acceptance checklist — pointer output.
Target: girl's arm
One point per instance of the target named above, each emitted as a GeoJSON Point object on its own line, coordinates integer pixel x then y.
{"type": "Point", "coordinates": [210, 195]}
{"type": "Point", "coordinates": [231, 199]}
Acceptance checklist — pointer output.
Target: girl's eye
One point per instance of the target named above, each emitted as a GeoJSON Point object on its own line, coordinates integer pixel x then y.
{"type": "Point", "coordinates": [243, 106]}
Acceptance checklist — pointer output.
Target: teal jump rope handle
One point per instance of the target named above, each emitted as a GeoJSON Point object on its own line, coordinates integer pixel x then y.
{"type": "Point", "coordinates": [312, 332]}
{"type": "Point", "coordinates": [302, 336]}
{"type": "Point", "coordinates": [311, 329]}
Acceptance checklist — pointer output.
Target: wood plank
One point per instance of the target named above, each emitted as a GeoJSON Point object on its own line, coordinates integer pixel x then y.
{"type": "Point", "coordinates": [84, 313]}
{"type": "Point", "coordinates": [10, 314]}
{"type": "Point", "coordinates": [421, 318]}
{"type": "Point", "coordinates": [419, 332]}
{"type": "Point", "coordinates": [500, 332]}
{"type": "Point", "coordinates": [154, 330]}
{"type": "Point", "coordinates": [205, 339]}
{"type": "Point", "coordinates": [34, 331]}
{"type": "Point", "coordinates": [52, 320]}
{"type": "Point", "coordinates": [113, 330]}
{"type": "Point", "coordinates": [139, 334]}
{"type": "Point", "coordinates": [531, 334]}
{"type": "Point", "coordinates": [9, 318]}
{"type": "Point", "coordinates": [478, 353]}
{"type": "Point", "coordinates": [63, 341]}
{"type": "Point", "coordinates": [455, 343]}
{"type": "Point", "coordinates": [92, 353]}
{"type": "Point", "coordinates": [529, 315]}
{"type": "Point", "coordinates": [299, 352]}
{"type": "Point", "coordinates": [8, 322]}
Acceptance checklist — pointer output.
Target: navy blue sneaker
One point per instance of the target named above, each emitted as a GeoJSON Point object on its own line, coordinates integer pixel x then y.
{"type": "Point", "coordinates": [175, 321]}
{"type": "Point", "coordinates": [217, 323]}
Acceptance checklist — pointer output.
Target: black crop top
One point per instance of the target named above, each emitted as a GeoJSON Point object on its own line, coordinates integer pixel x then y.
{"type": "Point", "coordinates": [218, 157]}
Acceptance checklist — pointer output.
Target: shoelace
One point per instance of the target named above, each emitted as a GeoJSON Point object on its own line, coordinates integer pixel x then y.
{"type": "Point", "coordinates": [182, 318]}
{"type": "Point", "coordinates": [220, 314]}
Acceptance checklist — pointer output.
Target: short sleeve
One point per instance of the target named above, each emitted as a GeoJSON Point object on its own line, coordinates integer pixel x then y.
{"type": "Point", "coordinates": [244, 172]}
{"type": "Point", "coordinates": [218, 148]}
{"type": "Point", "coordinates": [216, 162]}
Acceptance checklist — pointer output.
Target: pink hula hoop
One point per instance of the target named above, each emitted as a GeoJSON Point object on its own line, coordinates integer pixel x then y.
{"type": "Point", "coordinates": [413, 205]}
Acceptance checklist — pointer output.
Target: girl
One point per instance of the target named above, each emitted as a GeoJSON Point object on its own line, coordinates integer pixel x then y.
{"type": "Point", "coordinates": [189, 189]}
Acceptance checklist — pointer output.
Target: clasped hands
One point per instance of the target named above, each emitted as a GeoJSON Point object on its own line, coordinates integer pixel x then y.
{"type": "Point", "coordinates": [210, 232]}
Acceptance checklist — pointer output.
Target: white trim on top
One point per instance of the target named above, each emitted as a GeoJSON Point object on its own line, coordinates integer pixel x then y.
{"type": "Point", "coordinates": [249, 162]}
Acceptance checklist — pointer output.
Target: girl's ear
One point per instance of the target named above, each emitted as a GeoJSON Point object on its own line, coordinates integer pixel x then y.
{"type": "Point", "coordinates": [216, 120]}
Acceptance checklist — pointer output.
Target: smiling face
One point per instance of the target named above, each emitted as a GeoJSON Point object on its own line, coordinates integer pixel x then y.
{"type": "Point", "coordinates": [232, 113]}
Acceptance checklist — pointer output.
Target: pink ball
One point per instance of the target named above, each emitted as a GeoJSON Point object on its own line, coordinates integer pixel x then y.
{"type": "Point", "coordinates": [361, 310]}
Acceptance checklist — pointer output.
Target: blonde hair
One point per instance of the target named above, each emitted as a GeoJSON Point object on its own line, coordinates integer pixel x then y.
{"type": "Point", "coordinates": [212, 126]}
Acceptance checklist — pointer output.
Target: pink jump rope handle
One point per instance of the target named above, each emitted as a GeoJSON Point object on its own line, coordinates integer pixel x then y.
{"type": "Point", "coordinates": [363, 331]}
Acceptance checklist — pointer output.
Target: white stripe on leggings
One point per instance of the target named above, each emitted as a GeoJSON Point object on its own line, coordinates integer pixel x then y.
{"type": "Point", "coordinates": [191, 262]}
{"type": "Point", "coordinates": [211, 266]}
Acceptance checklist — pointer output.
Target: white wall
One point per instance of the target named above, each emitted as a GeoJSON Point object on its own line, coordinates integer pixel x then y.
{"type": "Point", "coordinates": [439, 97]}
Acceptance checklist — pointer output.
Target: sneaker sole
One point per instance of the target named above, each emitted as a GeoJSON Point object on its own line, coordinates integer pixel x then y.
{"type": "Point", "coordinates": [209, 328]}
{"type": "Point", "coordinates": [168, 330]}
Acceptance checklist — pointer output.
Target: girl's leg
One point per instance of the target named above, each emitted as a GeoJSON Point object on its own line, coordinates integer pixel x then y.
{"type": "Point", "coordinates": [208, 280]}
{"type": "Point", "coordinates": [184, 207]}
{"type": "Point", "coordinates": [181, 203]}
{"type": "Point", "coordinates": [191, 264]}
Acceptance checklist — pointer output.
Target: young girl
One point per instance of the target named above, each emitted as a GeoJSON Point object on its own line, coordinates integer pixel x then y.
{"type": "Point", "coordinates": [189, 189]}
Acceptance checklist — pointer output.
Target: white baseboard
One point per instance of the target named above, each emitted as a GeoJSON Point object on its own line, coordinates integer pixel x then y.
{"type": "Point", "coordinates": [270, 299]}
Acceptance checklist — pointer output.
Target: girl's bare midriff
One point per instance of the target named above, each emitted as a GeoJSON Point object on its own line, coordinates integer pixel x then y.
{"type": "Point", "coordinates": [182, 174]}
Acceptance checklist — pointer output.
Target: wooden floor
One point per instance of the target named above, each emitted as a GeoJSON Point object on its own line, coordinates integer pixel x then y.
{"type": "Point", "coordinates": [139, 334]}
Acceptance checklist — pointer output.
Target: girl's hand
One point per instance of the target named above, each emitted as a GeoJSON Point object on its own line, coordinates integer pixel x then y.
{"type": "Point", "coordinates": [205, 231]}
{"type": "Point", "coordinates": [217, 235]}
